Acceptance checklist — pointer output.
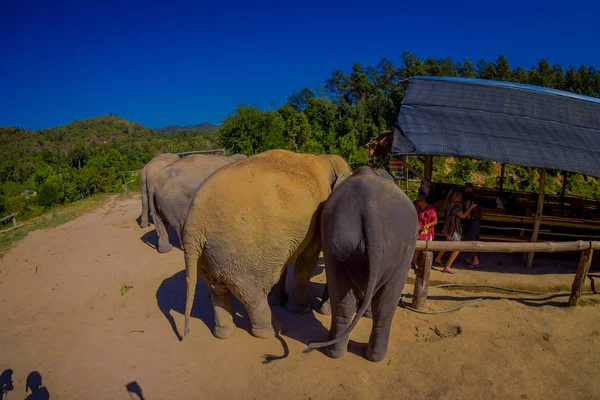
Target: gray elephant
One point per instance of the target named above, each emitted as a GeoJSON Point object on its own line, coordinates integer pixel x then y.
{"type": "Point", "coordinates": [172, 188]}
{"type": "Point", "coordinates": [246, 223]}
{"type": "Point", "coordinates": [153, 166]}
{"type": "Point", "coordinates": [369, 228]}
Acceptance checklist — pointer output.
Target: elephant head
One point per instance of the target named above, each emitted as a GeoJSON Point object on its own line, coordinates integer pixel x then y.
{"type": "Point", "coordinates": [335, 167]}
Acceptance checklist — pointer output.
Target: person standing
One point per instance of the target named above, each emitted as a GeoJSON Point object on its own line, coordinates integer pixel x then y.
{"type": "Point", "coordinates": [428, 219]}
{"type": "Point", "coordinates": [473, 224]}
{"type": "Point", "coordinates": [452, 228]}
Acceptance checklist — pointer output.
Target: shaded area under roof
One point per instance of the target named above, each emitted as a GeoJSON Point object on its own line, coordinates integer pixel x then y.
{"type": "Point", "coordinates": [499, 121]}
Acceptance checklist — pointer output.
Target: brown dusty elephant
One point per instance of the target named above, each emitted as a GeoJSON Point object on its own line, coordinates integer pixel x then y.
{"type": "Point", "coordinates": [173, 186]}
{"type": "Point", "coordinates": [153, 166]}
{"type": "Point", "coordinates": [246, 223]}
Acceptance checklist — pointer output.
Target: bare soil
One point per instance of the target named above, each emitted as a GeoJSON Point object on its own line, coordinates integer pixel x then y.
{"type": "Point", "coordinates": [62, 314]}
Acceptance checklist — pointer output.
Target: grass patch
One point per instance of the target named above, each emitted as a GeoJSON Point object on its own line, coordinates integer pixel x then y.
{"type": "Point", "coordinates": [53, 217]}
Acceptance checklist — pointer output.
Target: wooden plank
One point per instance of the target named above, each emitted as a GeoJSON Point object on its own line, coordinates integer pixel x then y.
{"type": "Point", "coordinates": [538, 215]}
{"type": "Point", "coordinates": [187, 153]}
{"type": "Point", "coordinates": [11, 229]}
{"type": "Point", "coordinates": [506, 247]}
{"type": "Point", "coordinates": [422, 280]}
{"type": "Point", "coordinates": [579, 282]}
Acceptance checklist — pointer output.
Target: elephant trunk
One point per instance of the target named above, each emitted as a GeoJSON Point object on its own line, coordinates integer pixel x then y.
{"type": "Point", "coordinates": [369, 292]}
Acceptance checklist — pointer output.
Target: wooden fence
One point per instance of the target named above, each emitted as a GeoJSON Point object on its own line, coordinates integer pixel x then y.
{"type": "Point", "coordinates": [12, 216]}
{"type": "Point", "coordinates": [428, 247]}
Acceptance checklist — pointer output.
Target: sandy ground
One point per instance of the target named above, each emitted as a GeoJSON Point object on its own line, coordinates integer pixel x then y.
{"type": "Point", "coordinates": [62, 314]}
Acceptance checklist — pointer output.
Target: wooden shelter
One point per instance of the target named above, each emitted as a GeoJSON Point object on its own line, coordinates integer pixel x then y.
{"type": "Point", "coordinates": [503, 122]}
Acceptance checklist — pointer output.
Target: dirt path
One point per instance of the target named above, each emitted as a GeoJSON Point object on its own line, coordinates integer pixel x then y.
{"type": "Point", "coordinates": [62, 314]}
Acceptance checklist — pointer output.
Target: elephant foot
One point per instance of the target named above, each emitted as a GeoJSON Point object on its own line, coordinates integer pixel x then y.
{"type": "Point", "coordinates": [298, 308]}
{"type": "Point", "coordinates": [263, 333]}
{"type": "Point", "coordinates": [324, 308]}
{"type": "Point", "coordinates": [223, 332]}
{"type": "Point", "coordinates": [334, 353]}
{"type": "Point", "coordinates": [165, 248]}
{"type": "Point", "coordinates": [375, 356]}
{"type": "Point", "coordinates": [144, 224]}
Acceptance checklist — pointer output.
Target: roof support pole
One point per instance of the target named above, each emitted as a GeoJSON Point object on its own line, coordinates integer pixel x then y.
{"type": "Point", "coordinates": [428, 167]}
{"type": "Point", "coordinates": [501, 176]}
{"type": "Point", "coordinates": [563, 190]}
{"type": "Point", "coordinates": [538, 215]}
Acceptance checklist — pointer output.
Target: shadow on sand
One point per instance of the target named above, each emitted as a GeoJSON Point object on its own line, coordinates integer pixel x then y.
{"type": "Point", "coordinates": [33, 384]}
{"type": "Point", "coordinates": [304, 328]}
{"type": "Point", "coordinates": [151, 239]}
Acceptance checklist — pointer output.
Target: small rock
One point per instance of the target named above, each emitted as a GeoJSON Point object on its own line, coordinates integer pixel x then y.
{"type": "Point", "coordinates": [546, 337]}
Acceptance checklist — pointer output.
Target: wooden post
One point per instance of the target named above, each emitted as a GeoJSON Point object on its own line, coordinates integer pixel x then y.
{"type": "Point", "coordinates": [428, 167]}
{"type": "Point", "coordinates": [14, 220]}
{"type": "Point", "coordinates": [538, 215]}
{"type": "Point", "coordinates": [422, 280]}
{"type": "Point", "coordinates": [406, 175]}
{"type": "Point", "coordinates": [125, 183]}
{"type": "Point", "coordinates": [582, 270]}
{"type": "Point", "coordinates": [564, 187]}
{"type": "Point", "coordinates": [501, 176]}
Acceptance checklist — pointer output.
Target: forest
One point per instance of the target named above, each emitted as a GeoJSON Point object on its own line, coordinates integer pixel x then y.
{"type": "Point", "coordinates": [68, 163]}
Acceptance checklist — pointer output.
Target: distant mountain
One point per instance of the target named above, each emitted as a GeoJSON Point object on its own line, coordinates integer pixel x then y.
{"type": "Point", "coordinates": [204, 126]}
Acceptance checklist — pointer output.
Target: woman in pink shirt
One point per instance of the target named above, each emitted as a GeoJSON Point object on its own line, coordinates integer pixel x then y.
{"type": "Point", "coordinates": [427, 220]}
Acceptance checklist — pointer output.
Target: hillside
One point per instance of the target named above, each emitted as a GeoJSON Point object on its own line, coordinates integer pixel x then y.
{"type": "Point", "coordinates": [83, 157]}
{"type": "Point", "coordinates": [204, 126]}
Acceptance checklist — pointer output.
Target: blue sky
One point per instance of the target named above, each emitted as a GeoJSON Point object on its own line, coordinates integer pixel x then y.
{"type": "Point", "coordinates": [184, 63]}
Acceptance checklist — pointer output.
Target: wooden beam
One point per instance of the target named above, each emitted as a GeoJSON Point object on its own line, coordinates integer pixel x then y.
{"type": "Point", "coordinates": [579, 282]}
{"type": "Point", "coordinates": [428, 169]}
{"type": "Point", "coordinates": [538, 215]}
{"type": "Point", "coordinates": [422, 280]}
{"type": "Point", "coordinates": [506, 247]}
{"type": "Point", "coordinates": [215, 151]}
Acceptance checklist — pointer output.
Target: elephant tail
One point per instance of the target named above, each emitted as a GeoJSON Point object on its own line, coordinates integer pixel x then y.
{"type": "Point", "coordinates": [192, 255]}
{"type": "Point", "coordinates": [369, 292]}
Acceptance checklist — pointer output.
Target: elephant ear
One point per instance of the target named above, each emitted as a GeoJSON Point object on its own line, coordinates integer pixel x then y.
{"type": "Point", "coordinates": [341, 178]}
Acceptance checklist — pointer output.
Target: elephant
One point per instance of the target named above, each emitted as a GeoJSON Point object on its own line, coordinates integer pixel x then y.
{"type": "Point", "coordinates": [369, 228]}
{"type": "Point", "coordinates": [173, 186]}
{"type": "Point", "coordinates": [153, 166]}
{"type": "Point", "coordinates": [246, 223]}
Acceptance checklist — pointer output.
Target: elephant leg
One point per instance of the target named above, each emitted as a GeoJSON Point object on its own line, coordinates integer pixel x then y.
{"type": "Point", "coordinates": [324, 307]}
{"type": "Point", "coordinates": [303, 271]}
{"type": "Point", "coordinates": [145, 208]}
{"type": "Point", "coordinates": [277, 296]}
{"type": "Point", "coordinates": [221, 300]}
{"type": "Point", "coordinates": [384, 305]}
{"type": "Point", "coordinates": [163, 235]}
{"type": "Point", "coordinates": [343, 307]}
{"type": "Point", "coordinates": [260, 317]}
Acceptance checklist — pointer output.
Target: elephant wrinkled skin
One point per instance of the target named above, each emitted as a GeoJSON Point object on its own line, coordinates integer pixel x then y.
{"type": "Point", "coordinates": [150, 169]}
{"type": "Point", "coordinates": [246, 223]}
{"type": "Point", "coordinates": [369, 228]}
{"type": "Point", "coordinates": [172, 188]}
